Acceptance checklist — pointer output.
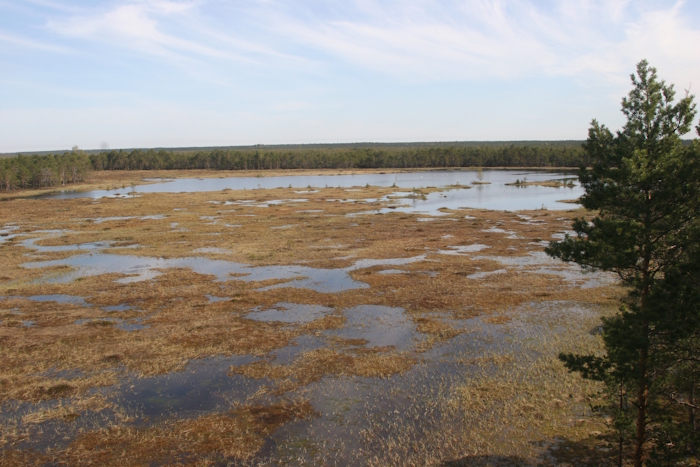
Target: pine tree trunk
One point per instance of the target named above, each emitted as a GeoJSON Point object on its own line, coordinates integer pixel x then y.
{"type": "Point", "coordinates": [643, 383]}
{"type": "Point", "coordinates": [642, 396]}
{"type": "Point", "coordinates": [622, 438]}
{"type": "Point", "coordinates": [691, 417]}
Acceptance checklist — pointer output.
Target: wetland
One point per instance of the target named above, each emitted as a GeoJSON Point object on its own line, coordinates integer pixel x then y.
{"type": "Point", "coordinates": [320, 318]}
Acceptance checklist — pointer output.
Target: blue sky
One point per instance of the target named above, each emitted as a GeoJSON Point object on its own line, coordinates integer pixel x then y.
{"type": "Point", "coordinates": [148, 73]}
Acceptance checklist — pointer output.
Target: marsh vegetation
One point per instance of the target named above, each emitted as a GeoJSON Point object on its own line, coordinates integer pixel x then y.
{"type": "Point", "coordinates": [272, 327]}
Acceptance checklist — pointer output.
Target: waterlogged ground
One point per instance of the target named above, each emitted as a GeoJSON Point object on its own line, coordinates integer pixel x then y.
{"type": "Point", "coordinates": [273, 327]}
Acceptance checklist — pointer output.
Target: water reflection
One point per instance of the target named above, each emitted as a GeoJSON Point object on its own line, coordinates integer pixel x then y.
{"type": "Point", "coordinates": [496, 194]}
{"type": "Point", "coordinates": [290, 313]}
{"type": "Point", "coordinates": [140, 268]}
{"type": "Point", "coordinates": [379, 326]}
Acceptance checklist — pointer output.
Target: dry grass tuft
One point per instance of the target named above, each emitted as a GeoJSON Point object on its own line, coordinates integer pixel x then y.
{"type": "Point", "coordinates": [68, 410]}
{"type": "Point", "coordinates": [500, 319]}
{"type": "Point", "coordinates": [437, 328]}
{"type": "Point", "coordinates": [316, 364]}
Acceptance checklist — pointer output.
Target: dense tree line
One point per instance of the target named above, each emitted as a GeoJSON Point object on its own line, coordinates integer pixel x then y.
{"type": "Point", "coordinates": [43, 171]}
{"type": "Point", "coordinates": [219, 159]}
{"type": "Point", "coordinates": [52, 170]}
{"type": "Point", "coordinates": [644, 187]}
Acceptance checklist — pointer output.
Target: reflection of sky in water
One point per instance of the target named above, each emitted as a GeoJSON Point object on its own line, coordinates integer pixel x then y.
{"type": "Point", "coordinates": [461, 250]}
{"type": "Point", "coordinates": [58, 298]}
{"type": "Point", "coordinates": [116, 308]}
{"type": "Point", "coordinates": [495, 195]}
{"type": "Point", "coordinates": [143, 268]}
{"type": "Point", "coordinates": [31, 243]}
{"type": "Point", "coordinates": [220, 251]}
{"type": "Point", "coordinates": [385, 272]}
{"type": "Point", "coordinates": [380, 326]}
{"type": "Point", "coordinates": [388, 406]}
{"type": "Point", "coordinates": [290, 313]}
{"type": "Point", "coordinates": [100, 220]}
{"type": "Point", "coordinates": [345, 405]}
{"type": "Point", "coordinates": [215, 299]}
{"type": "Point", "coordinates": [481, 275]}
{"type": "Point", "coordinates": [6, 233]}
{"type": "Point", "coordinates": [539, 262]}
{"type": "Point", "coordinates": [89, 246]}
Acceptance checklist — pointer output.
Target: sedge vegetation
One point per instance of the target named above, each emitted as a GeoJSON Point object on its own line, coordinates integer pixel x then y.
{"type": "Point", "coordinates": [83, 381]}
{"type": "Point", "coordinates": [644, 185]}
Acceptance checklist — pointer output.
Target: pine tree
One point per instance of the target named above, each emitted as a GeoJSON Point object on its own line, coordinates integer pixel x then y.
{"type": "Point", "coordinates": [645, 187]}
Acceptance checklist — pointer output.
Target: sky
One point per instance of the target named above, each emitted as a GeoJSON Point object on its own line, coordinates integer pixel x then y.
{"type": "Point", "coordinates": [159, 73]}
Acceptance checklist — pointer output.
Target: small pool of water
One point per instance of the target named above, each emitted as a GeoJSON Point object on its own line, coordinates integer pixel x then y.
{"type": "Point", "coordinates": [31, 243]}
{"type": "Point", "coordinates": [58, 298]}
{"type": "Point", "coordinates": [481, 275]}
{"type": "Point", "coordinates": [202, 386]}
{"type": "Point", "coordinates": [461, 250]}
{"type": "Point", "coordinates": [117, 308]}
{"type": "Point", "coordinates": [265, 204]}
{"type": "Point", "coordinates": [386, 272]}
{"type": "Point", "coordinates": [100, 220]}
{"type": "Point", "coordinates": [290, 313]}
{"type": "Point", "coordinates": [140, 268]}
{"type": "Point", "coordinates": [214, 250]}
{"type": "Point", "coordinates": [6, 233]}
{"type": "Point", "coordinates": [215, 299]}
{"type": "Point", "coordinates": [379, 326]}
{"type": "Point", "coordinates": [538, 262]}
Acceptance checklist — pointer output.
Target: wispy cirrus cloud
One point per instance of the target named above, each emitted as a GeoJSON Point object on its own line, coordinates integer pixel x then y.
{"type": "Point", "coordinates": [480, 38]}
{"type": "Point", "coordinates": [413, 39]}
{"type": "Point", "coordinates": [136, 26]}
{"type": "Point", "coordinates": [330, 70]}
{"type": "Point", "coordinates": [169, 29]}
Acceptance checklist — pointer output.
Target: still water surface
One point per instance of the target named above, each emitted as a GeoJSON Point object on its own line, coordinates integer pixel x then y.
{"type": "Point", "coordinates": [494, 195]}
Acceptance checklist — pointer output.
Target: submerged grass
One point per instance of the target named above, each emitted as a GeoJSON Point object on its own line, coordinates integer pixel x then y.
{"type": "Point", "coordinates": [510, 400]}
{"type": "Point", "coordinates": [206, 440]}
{"type": "Point", "coordinates": [316, 364]}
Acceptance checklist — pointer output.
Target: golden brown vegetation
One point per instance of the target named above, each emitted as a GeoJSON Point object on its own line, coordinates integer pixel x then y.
{"type": "Point", "coordinates": [182, 325]}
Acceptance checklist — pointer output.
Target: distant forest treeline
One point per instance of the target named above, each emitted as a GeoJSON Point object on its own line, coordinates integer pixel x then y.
{"type": "Point", "coordinates": [71, 167]}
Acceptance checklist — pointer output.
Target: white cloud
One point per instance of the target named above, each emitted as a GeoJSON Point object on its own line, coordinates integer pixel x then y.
{"type": "Point", "coordinates": [133, 25]}
{"type": "Point", "coordinates": [417, 40]}
{"type": "Point", "coordinates": [142, 26]}
{"type": "Point", "coordinates": [480, 38]}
